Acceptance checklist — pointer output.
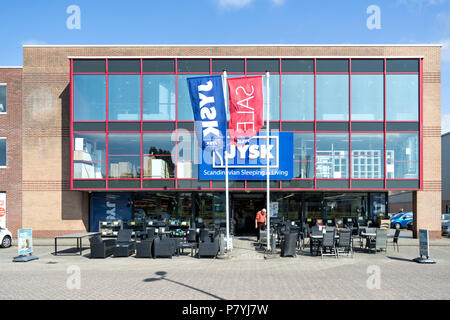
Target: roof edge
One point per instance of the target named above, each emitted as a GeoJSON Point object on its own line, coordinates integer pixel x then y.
{"type": "Point", "coordinates": [230, 45]}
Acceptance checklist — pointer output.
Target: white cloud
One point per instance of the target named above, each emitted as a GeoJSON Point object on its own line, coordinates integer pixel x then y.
{"type": "Point", "coordinates": [239, 4]}
{"type": "Point", "coordinates": [422, 2]}
{"type": "Point", "coordinates": [445, 52]}
{"type": "Point", "coordinates": [32, 42]}
{"type": "Point", "coordinates": [445, 123]}
{"type": "Point", "coordinates": [234, 4]}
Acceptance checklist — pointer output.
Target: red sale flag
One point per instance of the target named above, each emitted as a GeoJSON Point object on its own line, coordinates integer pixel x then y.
{"type": "Point", "coordinates": [246, 105]}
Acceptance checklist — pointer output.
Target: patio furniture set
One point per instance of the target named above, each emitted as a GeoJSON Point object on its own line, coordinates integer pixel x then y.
{"type": "Point", "coordinates": [327, 240]}
{"type": "Point", "coordinates": [156, 243]}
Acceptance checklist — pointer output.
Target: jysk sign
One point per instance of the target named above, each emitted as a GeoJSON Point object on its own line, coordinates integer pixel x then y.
{"type": "Point", "coordinates": [247, 159]}
{"type": "Point", "coordinates": [208, 107]}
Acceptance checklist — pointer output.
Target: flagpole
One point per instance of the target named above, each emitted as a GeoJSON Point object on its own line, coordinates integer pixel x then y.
{"type": "Point", "coordinates": [227, 207]}
{"type": "Point", "coordinates": [268, 161]}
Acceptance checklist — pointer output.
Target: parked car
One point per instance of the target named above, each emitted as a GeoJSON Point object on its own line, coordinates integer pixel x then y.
{"type": "Point", "coordinates": [400, 221]}
{"type": "Point", "coordinates": [5, 238]}
{"type": "Point", "coordinates": [445, 217]}
{"type": "Point", "coordinates": [446, 228]}
{"type": "Point", "coordinates": [409, 225]}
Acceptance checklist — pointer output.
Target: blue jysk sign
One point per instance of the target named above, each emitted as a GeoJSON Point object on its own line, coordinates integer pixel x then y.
{"type": "Point", "coordinates": [247, 159]}
{"type": "Point", "coordinates": [208, 107]}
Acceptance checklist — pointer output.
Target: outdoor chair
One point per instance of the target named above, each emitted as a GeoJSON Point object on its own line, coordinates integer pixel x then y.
{"type": "Point", "coordinates": [208, 248]}
{"type": "Point", "coordinates": [124, 245]}
{"type": "Point", "coordinates": [101, 248]}
{"type": "Point", "coordinates": [395, 239]}
{"type": "Point", "coordinates": [328, 243]}
{"type": "Point", "coordinates": [315, 230]}
{"type": "Point", "coordinates": [330, 229]}
{"type": "Point", "coordinates": [289, 245]}
{"type": "Point", "coordinates": [150, 232]}
{"type": "Point", "coordinates": [263, 238]}
{"type": "Point", "coordinates": [345, 242]}
{"type": "Point", "coordinates": [144, 248]}
{"type": "Point", "coordinates": [380, 241]}
{"type": "Point", "coordinates": [204, 233]}
{"type": "Point", "coordinates": [191, 235]}
{"type": "Point", "coordinates": [163, 248]}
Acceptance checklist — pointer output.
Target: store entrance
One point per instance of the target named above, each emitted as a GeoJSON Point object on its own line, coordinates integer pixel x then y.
{"type": "Point", "coordinates": [244, 207]}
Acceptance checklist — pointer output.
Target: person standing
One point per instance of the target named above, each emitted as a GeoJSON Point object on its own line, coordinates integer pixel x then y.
{"type": "Point", "coordinates": [260, 221]}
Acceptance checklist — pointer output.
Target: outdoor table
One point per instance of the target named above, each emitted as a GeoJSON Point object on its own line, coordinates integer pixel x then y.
{"type": "Point", "coordinates": [368, 236]}
{"type": "Point", "coordinates": [78, 236]}
{"type": "Point", "coordinates": [187, 245]}
{"type": "Point", "coordinates": [317, 239]}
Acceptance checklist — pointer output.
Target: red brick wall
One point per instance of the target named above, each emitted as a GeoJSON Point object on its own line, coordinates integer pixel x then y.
{"type": "Point", "coordinates": [11, 128]}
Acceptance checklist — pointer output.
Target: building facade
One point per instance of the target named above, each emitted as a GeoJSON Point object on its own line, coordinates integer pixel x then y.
{"type": "Point", "coordinates": [445, 173]}
{"type": "Point", "coordinates": [11, 145]}
{"type": "Point", "coordinates": [108, 133]}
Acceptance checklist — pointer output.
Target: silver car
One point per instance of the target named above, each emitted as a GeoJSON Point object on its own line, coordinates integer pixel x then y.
{"type": "Point", "coordinates": [445, 228]}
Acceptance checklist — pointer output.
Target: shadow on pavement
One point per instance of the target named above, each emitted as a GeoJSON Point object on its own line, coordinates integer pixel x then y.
{"type": "Point", "coordinates": [400, 259]}
{"type": "Point", "coordinates": [162, 276]}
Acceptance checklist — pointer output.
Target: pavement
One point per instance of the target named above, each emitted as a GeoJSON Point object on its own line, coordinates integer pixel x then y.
{"type": "Point", "coordinates": [244, 274]}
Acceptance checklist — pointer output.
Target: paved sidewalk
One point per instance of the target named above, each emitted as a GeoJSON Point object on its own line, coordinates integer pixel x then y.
{"type": "Point", "coordinates": [246, 275]}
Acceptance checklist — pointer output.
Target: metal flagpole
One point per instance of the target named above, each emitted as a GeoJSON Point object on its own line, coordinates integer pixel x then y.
{"type": "Point", "coordinates": [227, 207]}
{"type": "Point", "coordinates": [267, 161]}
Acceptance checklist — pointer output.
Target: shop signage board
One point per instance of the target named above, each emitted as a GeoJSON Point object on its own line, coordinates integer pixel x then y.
{"type": "Point", "coordinates": [25, 246]}
{"type": "Point", "coordinates": [424, 243]}
{"type": "Point", "coordinates": [25, 242]}
{"type": "Point", "coordinates": [424, 248]}
{"type": "Point", "coordinates": [247, 159]}
{"type": "Point", "coordinates": [274, 209]}
{"type": "Point", "coordinates": [3, 210]}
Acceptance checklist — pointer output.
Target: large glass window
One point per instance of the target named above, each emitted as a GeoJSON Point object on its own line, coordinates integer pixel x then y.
{"type": "Point", "coordinates": [303, 155]}
{"type": "Point", "coordinates": [187, 158]}
{"type": "Point", "coordinates": [402, 97]}
{"type": "Point", "coordinates": [297, 97]}
{"type": "Point", "coordinates": [274, 92]}
{"type": "Point", "coordinates": [367, 97]}
{"type": "Point", "coordinates": [157, 152]}
{"type": "Point", "coordinates": [89, 156]}
{"type": "Point", "coordinates": [2, 97]}
{"type": "Point", "coordinates": [89, 98]}
{"type": "Point", "coordinates": [339, 205]}
{"type": "Point", "coordinates": [159, 97]}
{"type": "Point", "coordinates": [2, 152]}
{"type": "Point", "coordinates": [402, 154]}
{"type": "Point", "coordinates": [124, 150]}
{"type": "Point", "coordinates": [184, 100]}
{"type": "Point", "coordinates": [332, 155]}
{"type": "Point", "coordinates": [332, 97]}
{"type": "Point", "coordinates": [367, 156]}
{"type": "Point", "coordinates": [124, 102]}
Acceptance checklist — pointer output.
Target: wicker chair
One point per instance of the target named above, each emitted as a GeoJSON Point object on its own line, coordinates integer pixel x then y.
{"type": "Point", "coordinates": [289, 244]}
{"type": "Point", "coordinates": [124, 246]}
{"type": "Point", "coordinates": [345, 242]}
{"type": "Point", "coordinates": [329, 243]}
{"type": "Point", "coordinates": [101, 248]}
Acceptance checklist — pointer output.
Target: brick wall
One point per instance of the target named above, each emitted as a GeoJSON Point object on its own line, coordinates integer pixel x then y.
{"type": "Point", "coordinates": [11, 128]}
{"type": "Point", "coordinates": [46, 124]}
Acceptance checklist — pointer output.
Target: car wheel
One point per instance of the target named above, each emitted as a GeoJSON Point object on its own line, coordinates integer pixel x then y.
{"type": "Point", "coordinates": [398, 226]}
{"type": "Point", "coordinates": [6, 242]}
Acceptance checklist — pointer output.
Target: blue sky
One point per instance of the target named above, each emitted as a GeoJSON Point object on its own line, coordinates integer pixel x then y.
{"type": "Point", "coordinates": [227, 22]}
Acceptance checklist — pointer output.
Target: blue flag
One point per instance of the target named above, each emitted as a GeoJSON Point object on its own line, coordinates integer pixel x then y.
{"type": "Point", "coordinates": [210, 116]}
